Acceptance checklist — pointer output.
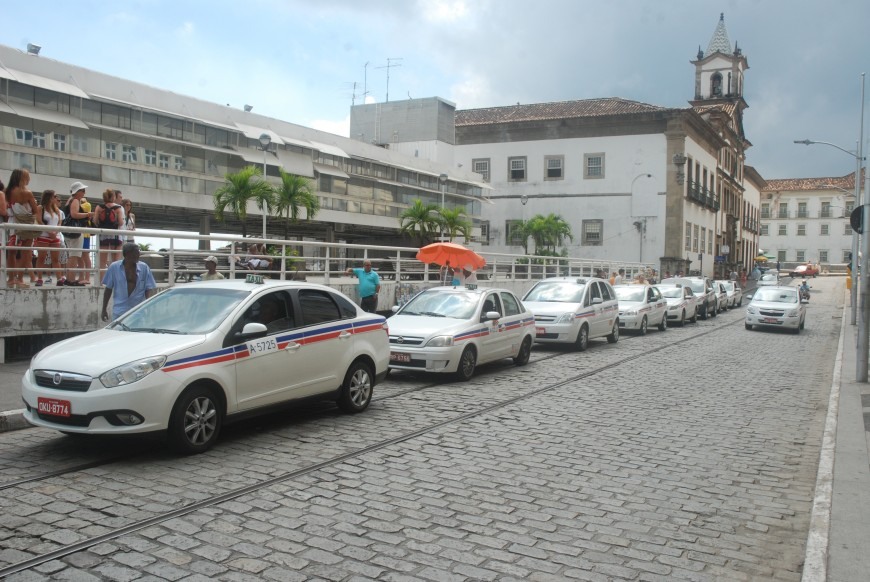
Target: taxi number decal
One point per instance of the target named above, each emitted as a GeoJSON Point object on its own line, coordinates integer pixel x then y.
{"type": "Point", "coordinates": [262, 346]}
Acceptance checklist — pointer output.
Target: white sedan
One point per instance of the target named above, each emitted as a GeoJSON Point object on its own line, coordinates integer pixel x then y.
{"type": "Point", "coordinates": [641, 306]}
{"type": "Point", "coordinates": [776, 307]}
{"type": "Point", "coordinates": [453, 329]}
{"type": "Point", "coordinates": [682, 303]}
{"type": "Point", "coordinates": [193, 357]}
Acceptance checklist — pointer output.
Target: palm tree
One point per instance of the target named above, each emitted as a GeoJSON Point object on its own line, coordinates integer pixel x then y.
{"type": "Point", "coordinates": [453, 221]}
{"type": "Point", "coordinates": [292, 195]}
{"type": "Point", "coordinates": [521, 230]}
{"type": "Point", "coordinates": [239, 189]}
{"type": "Point", "coordinates": [548, 232]}
{"type": "Point", "coordinates": [419, 220]}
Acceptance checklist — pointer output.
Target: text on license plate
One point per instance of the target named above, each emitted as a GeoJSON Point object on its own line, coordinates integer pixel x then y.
{"type": "Point", "coordinates": [399, 357]}
{"type": "Point", "coordinates": [540, 330]}
{"type": "Point", "coordinates": [770, 320]}
{"type": "Point", "coordinates": [53, 407]}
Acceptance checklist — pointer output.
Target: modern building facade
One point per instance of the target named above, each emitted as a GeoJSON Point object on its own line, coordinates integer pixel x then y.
{"type": "Point", "coordinates": [169, 153]}
{"type": "Point", "coordinates": [807, 219]}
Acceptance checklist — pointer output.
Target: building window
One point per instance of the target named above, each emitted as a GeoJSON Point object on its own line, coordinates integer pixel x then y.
{"type": "Point", "coordinates": [823, 256]}
{"type": "Point", "coordinates": [695, 231]}
{"type": "Point", "coordinates": [151, 157]}
{"type": "Point", "coordinates": [111, 151]}
{"type": "Point", "coordinates": [802, 210]}
{"type": "Point", "coordinates": [164, 161]}
{"type": "Point", "coordinates": [79, 144]}
{"type": "Point", "coordinates": [513, 232]}
{"type": "Point", "coordinates": [765, 229]}
{"type": "Point", "coordinates": [481, 167]}
{"type": "Point", "coordinates": [128, 154]}
{"type": "Point", "coordinates": [850, 206]}
{"type": "Point", "coordinates": [688, 235]}
{"type": "Point", "coordinates": [553, 167]}
{"type": "Point", "coordinates": [593, 233]}
{"type": "Point", "coordinates": [179, 163]}
{"type": "Point", "coordinates": [783, 210]}
{"type": "Point", "coordinates": [704, 238]}
{"type": "Point", "coordinates": [60, 142]}
{"type": "Point", "coordinates": [847, 256]}
{"type": "Point", "coordinates": [783, 230]}
{"type": "Point", "coordinates": [593, 165]}
{"type": "Point", "coordinates": [800, 256]}
{"type": "Point", "coordinates": [848, 229]}
{"type": "Point", "coordinates": [517, 169]}
{"type": "Point", "coordinates": [23, 137]}
{"type": "Point", "coordinates": [765, 210]}
{"type": "Point", "coordinates": [780, 256]}
{"type": "Point", "coordinates": [716, 85]}
{"type": "Point", "coordinates": [484, 232]}
{"type": "Point", "coordinates": [710, 243]}
{"type": "Point", "coordinates": [802, 229]}
{"type": "Point", "coordinates": [826, 230]}
{"type": "Point", "coordinates": [826, 210]}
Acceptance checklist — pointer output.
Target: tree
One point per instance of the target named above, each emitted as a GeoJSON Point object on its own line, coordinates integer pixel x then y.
{"type": "Point", "coordinates": [521, 230]}
{"type": "Point", "coordinates": [419, 220]}
{"type": "Point", "coordinates": [453, 221]}
{"type": "Point", "coordinates": [246, 185]}
{"type": "Point", "coordinates": [292, 195]}
{"type": "Point", "coordinates": [548, 232]}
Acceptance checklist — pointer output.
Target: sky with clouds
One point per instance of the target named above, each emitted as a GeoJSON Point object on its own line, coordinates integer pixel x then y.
{"type": "Point", "coordinates": [304, 61]}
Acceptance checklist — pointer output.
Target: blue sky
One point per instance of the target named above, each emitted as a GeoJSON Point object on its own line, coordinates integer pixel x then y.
{"type": "Point", "coordinates": [298, 60]}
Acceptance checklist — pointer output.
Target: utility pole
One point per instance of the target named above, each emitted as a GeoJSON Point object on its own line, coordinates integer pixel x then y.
{"type": "Point", "coordinates": [388, 67]}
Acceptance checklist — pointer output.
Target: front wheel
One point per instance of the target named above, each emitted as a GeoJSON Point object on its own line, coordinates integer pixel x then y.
{"type": "Point", "coordinates": [356, 390]}
{"type": "Point", "coordinates": [644, 325]}
{"type": "Point", "coordinates": [695, 316]}
{"type": "Point", "coordinates": [663, 325]}
{"type": "Point", "coordinates": [704, 313]}
{"type": "Point", "coordinates": [748, 326]}
{"type": "Point", "coordinates": [195, 422]}
{"type": "Point", "coordinates": [582, 341]}
{"type": "Point", "coordinates": [525, 352]}
{"type": "Point", "coordinates": [467, 363]}
{"type": "Point", "coordinates": [614, 333]}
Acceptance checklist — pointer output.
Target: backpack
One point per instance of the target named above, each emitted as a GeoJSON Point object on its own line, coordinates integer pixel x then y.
{"type": "Point", "coordinates": [110, 217]}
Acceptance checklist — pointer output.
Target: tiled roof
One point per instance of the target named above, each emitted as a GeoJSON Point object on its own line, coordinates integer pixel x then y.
{"type": "Point", "coordinates": [719, 42]}
{"type": "Point", "coordinates": [556, 110]}
{"type": "Point", "coordinates": [845, 182]}
{"type": "Point", "coordinates": [727, 108]}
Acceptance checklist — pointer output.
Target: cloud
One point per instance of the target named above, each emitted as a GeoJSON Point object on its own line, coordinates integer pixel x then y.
{"type": "Point", "coordinates": [337, 127]}
{"type": "Point", "coordinates": [446, 11]}
{"type": "Point", "coordinates": [185, 31]}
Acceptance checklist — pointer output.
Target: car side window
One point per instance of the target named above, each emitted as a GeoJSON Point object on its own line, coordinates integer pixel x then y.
{"type": "Point", "coordinates": [511, 305]}
{"type": "Point", "coordinates": [595, 290]}
{"type": "Point", "coordinates": [348, 309]}
{"type": "Point", "coordinates": [317, 307]}
{"type": "Point", "coordinates": [273, 310]}
{"type": "Point", "coordinates": [492, 303]}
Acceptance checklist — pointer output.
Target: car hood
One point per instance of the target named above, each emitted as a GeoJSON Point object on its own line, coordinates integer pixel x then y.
{"type": "Point", "coordinates": [552, 307]}
{"type": "Point", "coordinates": [626, 305]}
{"type": "Point", "coordinates": [423, 326]}
{"type": "Point", "coordinates": [774, 305]}
{"type": "Point", "coordinates": [96, 352]}
{"type": "Point", "coordinates": [674, 300]}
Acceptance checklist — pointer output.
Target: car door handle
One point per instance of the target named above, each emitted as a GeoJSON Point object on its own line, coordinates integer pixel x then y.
{"type": "Point", "coordinates": [344, 334]}
{"type": "Point", "coordinates": [292, 347]}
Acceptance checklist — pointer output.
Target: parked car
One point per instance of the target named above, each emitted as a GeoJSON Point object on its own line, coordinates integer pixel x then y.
{"type": "Point", "coordinates": [682, 303]}
{"type": "Point", "coordinates": [574, 310]}
{"type": "Point", "coordinates": [808, 270]}
{"type": "Point", "coordinates": [770, 278]}
{"type": "Point", "coordinates": [641, 306]}
{"type": "Point", "coordinates": [453, 329]}
{"type": "Point", "coordinates": [776, 306]}
{"type": "Point", "coordinates": [721, 296]}
{"type": "Point", "coordinates": [196, 356]}
{"type": "Point", "coordinates": [734, 293]}
{"type": "Point", "coordinates": [702, 287]}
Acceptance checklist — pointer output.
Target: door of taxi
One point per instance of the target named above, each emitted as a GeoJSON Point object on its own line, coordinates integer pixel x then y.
{"type": "Point", "coordinates": [328, 342]}
{"type": "Point", "coordinates": [495, 344]}
{"type": "Point", "coordinates": [512, 318]}
{"type": "Point", "coordinates": [262, 368]}
{"type": "Point", "coordinates": [598, 321]}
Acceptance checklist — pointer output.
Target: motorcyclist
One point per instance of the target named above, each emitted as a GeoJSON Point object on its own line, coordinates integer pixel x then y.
{"type": "Point", "coordinates": [805, 290]}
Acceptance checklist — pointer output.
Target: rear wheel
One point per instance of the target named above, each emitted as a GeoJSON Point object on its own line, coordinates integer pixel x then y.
{"type": "Point", "coordinates": [663, 325]}
{"type": "Point", "coordinates": [195, 422]}
{"type": "Point", "coordinates": [682, 322]}
{"type": "Point", "coordinates": [644, 325]}
{"type": "Point", "coordinates": [356, 390]}
{"type": "Point", "coordinates": [748, 326]}
{"type": "Point", "coordinates": [582, 341]}
{"type": "Point", "coordinates": [703, 313]}
{"type": "Point", "coordinates": [467, 363]}
{"type": "Point", "coordinates": [695, 316]}
{"type": "Point", "coordinates": [525, 352]}
{"type": "Point", "coordinates": [614, 333]}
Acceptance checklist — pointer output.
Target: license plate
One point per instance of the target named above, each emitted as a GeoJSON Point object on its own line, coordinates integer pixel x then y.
{"type": "Point", "coordinates": [53, 407]}
{"type": "Point", "coordinates": [770, 320]}
{"type": "Point", "coordinates": [540, 330]}
{"type": "Point", "coordinates": [398, 357]}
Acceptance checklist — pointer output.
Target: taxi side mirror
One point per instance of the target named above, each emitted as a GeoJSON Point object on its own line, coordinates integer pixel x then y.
{"type": "Point", "coordinates": [597, 300]}
{"type": "Point", "coordinates": [253, 329]}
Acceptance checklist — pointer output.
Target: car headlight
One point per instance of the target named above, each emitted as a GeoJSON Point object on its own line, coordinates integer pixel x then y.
{"type": "Point", "coordinates": [566, 318]}
{"type": "Point", "coordinates": [132, 371]}
{"type": "Point", "coordinates": [793, 313]}
{"type": "Point", "coordinates": [441, 341]}
{"type": "Point", "coordinates": [750, 310]}
{"type": "Point", "coordinates": [673, 307]}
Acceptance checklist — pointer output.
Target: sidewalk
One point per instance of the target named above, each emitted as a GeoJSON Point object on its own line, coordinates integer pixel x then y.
{"type": "Point", "coordinates": [11, 404]}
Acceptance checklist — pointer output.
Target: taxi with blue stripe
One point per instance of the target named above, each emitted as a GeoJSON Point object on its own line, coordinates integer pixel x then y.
{"type": "Point", "coordinates": [451, 330]}
{"type": "Point", "coordinates": [196, 356]}
{"type": "Point", "coordinates": [574, 310]}
{"type": "Point", "coordinates": [640, 306]}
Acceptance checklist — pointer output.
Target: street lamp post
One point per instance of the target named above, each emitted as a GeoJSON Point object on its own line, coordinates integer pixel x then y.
{"type": "Point", "coordinates": [857, 193]}
{"type": "Point", "coordinates": [443, 179]}
{"type": "Point", "coordinates": [265, 140]}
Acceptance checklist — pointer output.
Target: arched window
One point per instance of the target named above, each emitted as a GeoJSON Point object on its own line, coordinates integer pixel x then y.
{"type": "Point", "coordinates": [716, 84]}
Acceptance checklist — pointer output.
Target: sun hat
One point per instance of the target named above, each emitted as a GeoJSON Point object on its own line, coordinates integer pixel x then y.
{"type": "Point", "coordinates": [76, 186]}
{"type": "Point", "coordinates": [211, 259]}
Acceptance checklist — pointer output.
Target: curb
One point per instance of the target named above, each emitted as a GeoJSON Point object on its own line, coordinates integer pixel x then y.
{"type": "Point", "coordinates": [12, 420]}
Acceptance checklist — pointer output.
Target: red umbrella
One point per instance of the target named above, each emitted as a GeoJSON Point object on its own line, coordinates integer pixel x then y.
{"type": "Point", "coordinates": [459, 256]}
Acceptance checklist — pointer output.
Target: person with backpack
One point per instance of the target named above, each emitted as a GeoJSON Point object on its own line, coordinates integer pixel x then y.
{"type": "Point", "coordinates": [109, 216]}
{"type": "Point", "coordinates": [74, 215]}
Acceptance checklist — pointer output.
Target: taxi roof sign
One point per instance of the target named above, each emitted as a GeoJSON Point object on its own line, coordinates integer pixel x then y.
{"type": "Point", "coordinates": [256, 279]}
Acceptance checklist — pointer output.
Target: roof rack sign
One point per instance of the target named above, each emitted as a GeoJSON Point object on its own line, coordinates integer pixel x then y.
{"type": "Point", "coordinates": [256, 279]}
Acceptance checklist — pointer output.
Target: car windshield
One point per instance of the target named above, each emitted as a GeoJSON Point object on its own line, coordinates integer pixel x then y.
{"type": "Point", "coordinates": [630, 293]}
{"type": "Point", "coordinates": [453, 304]}
{"type": "Point", "coordinates": [672, 292]}
{"type": "Point", "coordinates": [729, 286]}
{"type": "Point", "coordinates": [776, 295]}
{"type": "Point", "coordinates": [189, 310]}
{"type": "Point", "coordinates": [697, 287]}
{"type": "Point", "coordinates": [768, 277]}
{"type": "Point", "coordinates": [557, 291]}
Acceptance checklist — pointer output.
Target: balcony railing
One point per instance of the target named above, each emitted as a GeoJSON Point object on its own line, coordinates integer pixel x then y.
{"type": "Point", "coordinates": [703, 196]}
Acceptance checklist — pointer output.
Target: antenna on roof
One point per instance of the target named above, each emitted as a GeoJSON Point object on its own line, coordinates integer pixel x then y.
{"type": "Point", "coordinates": [388, 67]}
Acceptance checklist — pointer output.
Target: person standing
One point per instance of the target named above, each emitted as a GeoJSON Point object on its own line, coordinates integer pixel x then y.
{"type": "Point", "coordinates": [369, 286]}
{"type": "Point", "coordinates": [619, 276]}
{"type": "Point", "coordinates": [74, 241]}
{"type": "Point", "coordinates": [129, 220]}
{"type": "Point", "coordinates": [22, 209]}
{"type": "Point", "coordinates": [445, 274]}
{"type": "Point", "coordinates": [131, 282]}
{"type": "Point", "coordinates": [87, 264]}
{"type": "Point", "coordinates": [211, 273]}
{"type": "Point", "coordinates": [49, 241]}
{"type": "Point", "coordinates": [109, 216]}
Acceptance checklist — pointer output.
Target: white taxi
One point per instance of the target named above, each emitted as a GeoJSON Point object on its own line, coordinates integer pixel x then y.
{"type": "Point", "coordinates": [574, 310]}
{"type": "Point", "coordinates": [196, 356]}
{"type": "Point", "coordinates": [682, 303]}
{"type": "Point", "coordinates": [641, 306]}
{"type": "Point", "coordinates": [453, 329]}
